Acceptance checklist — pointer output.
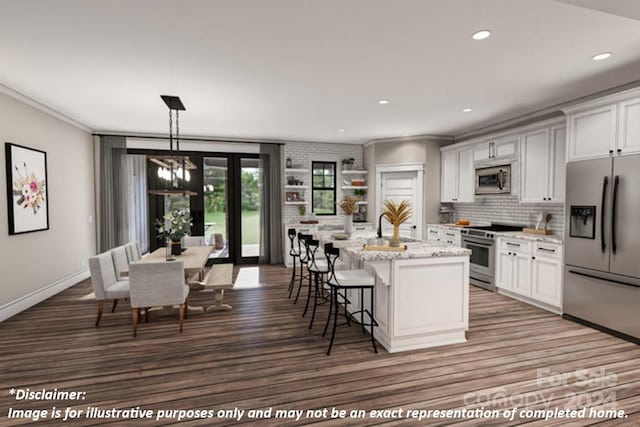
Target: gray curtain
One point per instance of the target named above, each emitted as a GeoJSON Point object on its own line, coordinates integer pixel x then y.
{"type": "Point", "coordinates": [138, 218]}
{"type": "Point", "coordinates": [114, 199]}
{"type": "Point", "coordinates": [271, 209]}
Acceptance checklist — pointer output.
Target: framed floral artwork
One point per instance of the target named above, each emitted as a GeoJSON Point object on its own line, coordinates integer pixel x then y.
{"type": "Point", "coordinates": [27, 197]}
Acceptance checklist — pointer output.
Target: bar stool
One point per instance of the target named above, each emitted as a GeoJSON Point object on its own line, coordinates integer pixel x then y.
{"type": "Point", "coordinates": [303, 261]}
{"type": "Point", "coordinates": [295, 254]}
{"type": "Point", "coordinates": [317, 267]}
{"type": "Point", "coordinates": [345, 280]}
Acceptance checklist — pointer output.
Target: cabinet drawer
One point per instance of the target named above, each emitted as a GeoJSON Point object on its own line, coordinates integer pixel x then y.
{"type": "Point", "coordinates": [547, 250]}
{"type": "Point", "coordinates": [515, 245]}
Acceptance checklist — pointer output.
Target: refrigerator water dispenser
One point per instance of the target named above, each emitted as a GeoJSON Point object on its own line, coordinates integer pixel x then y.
{"type": "Point", "coordinates": [583, 222]}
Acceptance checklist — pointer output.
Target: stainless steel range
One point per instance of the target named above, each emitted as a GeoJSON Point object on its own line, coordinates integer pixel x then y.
{"type": "Point", "coordinates": [481, 242]}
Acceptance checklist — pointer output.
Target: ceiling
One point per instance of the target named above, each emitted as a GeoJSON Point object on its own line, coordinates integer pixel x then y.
{"type": "Point", "coordinates": [301, 69]}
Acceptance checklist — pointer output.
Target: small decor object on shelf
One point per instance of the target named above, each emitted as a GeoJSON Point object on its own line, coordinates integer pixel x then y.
{"type": "Point", "coordinates": [347, 164]}
{"type": "Point", "coordinates": [396, 214]}
{"type": "Point", "coordinates": [288, 163]}
{"type": "Point", "coordinates": [360, 193]}
{"type": "Point", "coordinates": [173, 227]}
{"type": "Point", "coordinates": [302, 209]}
{"type": "Point", "coordinates": [348, 205]}
{"type": "Point", "coordinates": [293, 196]}
{"type": "Point", "coordinates": [26, 189]}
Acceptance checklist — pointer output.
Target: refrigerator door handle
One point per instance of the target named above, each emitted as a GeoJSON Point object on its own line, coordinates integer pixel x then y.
{"type": "Point", "coordinates": [605, 184]}
{"type": "Point", "coordinates": [614, 202]}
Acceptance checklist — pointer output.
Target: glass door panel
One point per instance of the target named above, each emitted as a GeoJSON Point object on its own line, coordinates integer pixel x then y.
{"type": "Point", "coordinates": [251, 193]}
{"type": "Point", "coordinates": [216, 200]}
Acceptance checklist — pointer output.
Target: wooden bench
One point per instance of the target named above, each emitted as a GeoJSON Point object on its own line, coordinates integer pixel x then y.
{"type": "Point", "coordinates": [219, 278]}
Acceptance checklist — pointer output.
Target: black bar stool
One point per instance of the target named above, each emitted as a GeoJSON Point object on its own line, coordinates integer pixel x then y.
{"type": "Point", "coordinates": [295, 254]}
{"type": "Point", "coordinates": [318, 268]}
{"type": "Point", "coordinates": [303, 261]}
{"type": "Point", "coordinates": [344, 280]}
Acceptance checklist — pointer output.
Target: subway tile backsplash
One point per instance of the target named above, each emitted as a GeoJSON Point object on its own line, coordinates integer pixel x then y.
{"type": "Point", "coordinates": [507, 209]}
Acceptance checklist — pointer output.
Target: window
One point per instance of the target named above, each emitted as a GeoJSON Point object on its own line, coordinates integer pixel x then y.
{"type": "Point", "coordinates": [323, 195]}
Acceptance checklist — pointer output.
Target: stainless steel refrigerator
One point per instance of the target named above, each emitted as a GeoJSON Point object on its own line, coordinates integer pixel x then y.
{"type": "Point", "coordinates": [602, 249]}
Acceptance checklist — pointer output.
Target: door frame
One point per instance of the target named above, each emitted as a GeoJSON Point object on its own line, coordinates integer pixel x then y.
{"type": "Point", "coordinates": [403, 167]}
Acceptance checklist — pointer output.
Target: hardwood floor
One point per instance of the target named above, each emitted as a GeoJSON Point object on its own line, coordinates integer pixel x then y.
{"type": "Point", "coordinates": [262, 355]}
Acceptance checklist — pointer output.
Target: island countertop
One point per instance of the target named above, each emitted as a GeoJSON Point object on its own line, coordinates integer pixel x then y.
{"type": "Point", "coordinates": [354, 248]}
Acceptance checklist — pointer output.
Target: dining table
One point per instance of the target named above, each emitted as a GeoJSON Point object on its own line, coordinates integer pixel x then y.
{"type": "Point", "coordinates": [194, 259]}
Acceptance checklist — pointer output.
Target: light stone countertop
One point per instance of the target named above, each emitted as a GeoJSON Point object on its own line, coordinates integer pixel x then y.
{"type": "Point", "coordinates": [353, 247]}
{"type": "Point", "coordinates": [549, 238]}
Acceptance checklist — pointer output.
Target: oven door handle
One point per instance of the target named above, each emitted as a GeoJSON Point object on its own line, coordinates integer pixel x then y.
{"type": "Point", "coordinates": [473, 242]}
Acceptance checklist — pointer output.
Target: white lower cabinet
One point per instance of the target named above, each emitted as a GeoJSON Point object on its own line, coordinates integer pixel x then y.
{"type": "Point", "coordinates": [448, 235]}
{"type": "Point", "coordinates": [530, 271]}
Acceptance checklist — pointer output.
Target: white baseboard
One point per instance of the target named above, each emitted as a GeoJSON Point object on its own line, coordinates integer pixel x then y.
{"type": "Point", "coordinates": [18, 305]}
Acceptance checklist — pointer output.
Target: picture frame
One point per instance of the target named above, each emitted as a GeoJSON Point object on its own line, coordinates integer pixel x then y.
{"type": "Point", "coordinates": [27, 189]}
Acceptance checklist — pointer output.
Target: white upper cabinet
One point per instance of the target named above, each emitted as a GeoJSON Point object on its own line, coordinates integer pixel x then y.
{"type": "Point", "coordinates": [604, 127]}
{"type": "Point", "coordinates": [629, 126]}
{"type": "Point", "coordinates": [457, 175]}
{"type": "Point", "coordinates": [496, 148]}
{"type": "Point", "coordinates": [542, 165]}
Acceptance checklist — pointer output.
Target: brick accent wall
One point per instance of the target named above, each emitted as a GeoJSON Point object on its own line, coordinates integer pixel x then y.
{"type": "Point", "coordinates": [507, 209]}
{"type": "Point", "coordinates": [302, 154]}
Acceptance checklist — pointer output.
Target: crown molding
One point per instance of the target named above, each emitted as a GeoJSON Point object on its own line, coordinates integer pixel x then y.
{"type": "Point", "coordinates": [42, 107]}
{"type": "Point", "coordinates": [443, 138]}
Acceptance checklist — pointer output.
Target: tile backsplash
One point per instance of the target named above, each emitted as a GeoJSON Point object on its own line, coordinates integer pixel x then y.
{"type": "Point", "coordinates": [507, 209]}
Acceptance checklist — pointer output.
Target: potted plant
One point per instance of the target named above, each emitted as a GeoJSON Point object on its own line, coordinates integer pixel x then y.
{"type": "Point", "coordinates": [396, 214]}
{"type": "Point", "coordinates": [173, 227]}
{"type": "Point", "coordinates": [360, 193]}
{"type": "Point", "coordinates": [348, 205]}
{"type": "Point", "coordinates": [347, 164]}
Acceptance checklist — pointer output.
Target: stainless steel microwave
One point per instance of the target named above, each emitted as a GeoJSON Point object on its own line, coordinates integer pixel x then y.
{"type": "Point", "coordinates": [493, 180]}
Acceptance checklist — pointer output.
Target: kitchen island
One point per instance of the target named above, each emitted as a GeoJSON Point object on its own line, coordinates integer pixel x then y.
{"type": "Point", "coordinates": [421, 294]}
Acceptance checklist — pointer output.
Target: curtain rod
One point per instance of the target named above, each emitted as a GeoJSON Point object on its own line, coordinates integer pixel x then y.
{"type": "Point", "coordinates": [191, 139]}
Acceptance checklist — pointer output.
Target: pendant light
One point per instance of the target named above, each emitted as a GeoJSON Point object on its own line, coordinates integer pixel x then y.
{"type": "Point", "coordinates": [173, 168]}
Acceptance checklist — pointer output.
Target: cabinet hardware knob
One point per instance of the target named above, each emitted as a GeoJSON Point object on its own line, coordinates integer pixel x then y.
{"type": "Point", "coordinates": [509, 253]}
{"type": "Point", "coordinates": [619, 150]}
{"type": "Point", "coordinates": [533, 257]}
{"type": "Point", "coordinates": [610, 151]}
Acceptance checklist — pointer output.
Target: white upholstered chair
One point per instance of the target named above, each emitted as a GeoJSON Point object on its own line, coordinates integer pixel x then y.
{"type": "Point", "coordinates": [106, 285]}
{"type": "Point", "coordinates": [154, 284]}
{"type": "Point", "coordinates": [133, 251]}
{"type": "Point", "coordinates": [190, 241]}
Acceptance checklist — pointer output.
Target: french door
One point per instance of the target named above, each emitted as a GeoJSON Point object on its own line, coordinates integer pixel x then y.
{"type": "Point", "coordinates": [226, 209]}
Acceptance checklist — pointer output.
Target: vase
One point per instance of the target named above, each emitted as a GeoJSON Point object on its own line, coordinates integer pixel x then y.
{"type": "Point", "coordinates": [176, 247]}
{"type": "Point", "coordinates": [395, 242]}
{"type": "Point", "coordinates": [348, 224]}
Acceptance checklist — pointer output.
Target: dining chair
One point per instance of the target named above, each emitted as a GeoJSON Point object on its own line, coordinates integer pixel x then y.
{"type": "Point", "coordinates": [106, 285]}
{"type": "Point", "coordinates": [120, 264]}
{"type": "Point", "coordinates": [133, 251]}
{"type": "Point", "coordinates": [154, 284]}
{"type": "Point", "coordinates": [190, 241]}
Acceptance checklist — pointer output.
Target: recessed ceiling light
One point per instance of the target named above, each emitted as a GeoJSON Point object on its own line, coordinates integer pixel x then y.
{"type": "Point", "coordinates": [383, 101]}
{"type": "Point", "coordinates": [340, 130]}
{"type": "Point", "coordinates": [601, 56]}
{"type": "Point", "coordinates": [481, 35]}
{"type": "Point", "coordinates": [467, 110]}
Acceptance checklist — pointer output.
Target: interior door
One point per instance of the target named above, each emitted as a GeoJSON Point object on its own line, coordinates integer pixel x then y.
{"type": "Point", "coordinates": [625, 243]}
{"type": "Point", "coordinates": [400, 186]}
{"type": "Point", "coordinates": [588, 184]}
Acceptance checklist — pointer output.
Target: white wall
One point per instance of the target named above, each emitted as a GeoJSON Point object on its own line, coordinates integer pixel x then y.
{"type": "Point", "coordinates": [49, 260]}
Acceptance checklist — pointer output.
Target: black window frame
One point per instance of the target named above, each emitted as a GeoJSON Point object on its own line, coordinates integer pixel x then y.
{"type": "Point", "coordinates": [333, 189]}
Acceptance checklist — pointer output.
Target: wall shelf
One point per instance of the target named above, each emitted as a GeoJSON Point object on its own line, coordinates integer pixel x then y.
{"type": "Point", "coordinates": [354, 187]}
{"type": "Point", "coordinates": [296, 170]}
{"type": "Point", "coordinates": [296, 203]}
{"type": "Point", "coordinates": [296, 187]}
{"type": "Point", "coordinates": [354, 172]}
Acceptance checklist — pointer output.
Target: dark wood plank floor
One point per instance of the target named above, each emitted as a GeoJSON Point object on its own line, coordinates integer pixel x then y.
{"type": "Point", "coordinates": [262, 355]}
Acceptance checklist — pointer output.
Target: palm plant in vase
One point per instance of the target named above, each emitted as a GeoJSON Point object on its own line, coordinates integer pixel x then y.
{"type": "Point", "coordinates": [396, 214]}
